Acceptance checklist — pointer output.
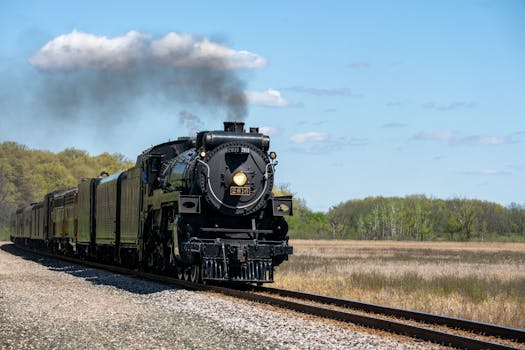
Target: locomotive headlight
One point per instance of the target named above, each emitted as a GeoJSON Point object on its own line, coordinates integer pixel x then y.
{"type": "Point", "coordinates": [202, 154]}
{"type": "Point", "coordinates": [273, 155]}
{"type": "Point", "coordinates": [239, 178]}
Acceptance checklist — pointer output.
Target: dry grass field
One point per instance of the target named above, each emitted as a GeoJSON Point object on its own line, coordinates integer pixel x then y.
{"type": "Point", "coordinates": [473, 280]}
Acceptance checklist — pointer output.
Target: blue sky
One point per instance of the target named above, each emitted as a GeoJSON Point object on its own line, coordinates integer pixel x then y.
{"type": "Point", "coordinates": [360, 98]}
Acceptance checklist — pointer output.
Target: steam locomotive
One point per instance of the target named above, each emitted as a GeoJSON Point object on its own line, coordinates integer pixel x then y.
{"type": "Point", "coordinates": [200, 208]}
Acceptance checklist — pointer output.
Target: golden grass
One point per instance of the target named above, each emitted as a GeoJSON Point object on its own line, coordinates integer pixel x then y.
{"type": "Point", "coordinates": [474, 280]}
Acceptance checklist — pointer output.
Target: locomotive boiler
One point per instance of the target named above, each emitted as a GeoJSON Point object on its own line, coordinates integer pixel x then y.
{"type": "Point", "coordinates": [201, 208]}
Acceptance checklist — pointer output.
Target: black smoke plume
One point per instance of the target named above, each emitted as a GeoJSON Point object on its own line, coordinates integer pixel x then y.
{"type": "Point", "coordinates": [192, 122]}
{"type": "Point", "coordinates": [111, 78]}
{"type": "Point", "coordinates": [116, 95]}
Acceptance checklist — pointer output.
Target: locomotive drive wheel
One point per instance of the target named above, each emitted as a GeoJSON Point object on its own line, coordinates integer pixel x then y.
{"type": "Point", "coordinates": [195, 273]}
{"type": "Point", "coordinates": [186, 273]}
{"type": "Point", "coordinates": [180, 274]}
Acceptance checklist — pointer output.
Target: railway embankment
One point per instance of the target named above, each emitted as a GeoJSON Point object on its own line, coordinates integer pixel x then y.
{"type": "Point", "coordinates": [48, 303]}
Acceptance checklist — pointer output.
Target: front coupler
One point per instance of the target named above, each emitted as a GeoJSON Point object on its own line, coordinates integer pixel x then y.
{"type": "Point", "coordinates": [236, 261]}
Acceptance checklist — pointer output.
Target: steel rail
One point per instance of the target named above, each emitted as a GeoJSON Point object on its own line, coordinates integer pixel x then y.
{"type": "Point", "coordinates": [458, 323]}
{"type": "Point", "coordinates": [423, 333]}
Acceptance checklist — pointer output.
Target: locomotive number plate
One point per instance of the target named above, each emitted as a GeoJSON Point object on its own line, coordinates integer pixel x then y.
{"type": "Point", "coordinates": [235, 149]}
{"type": "Point", "coordinates": [240, 191]}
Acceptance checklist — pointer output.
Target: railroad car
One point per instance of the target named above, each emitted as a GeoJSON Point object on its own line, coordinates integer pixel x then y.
{"type": "Point", "coordinates": [201, 208]}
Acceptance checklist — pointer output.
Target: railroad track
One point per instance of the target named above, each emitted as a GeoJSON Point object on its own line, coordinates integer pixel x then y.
{"type": "Point", "coordinates": [487, 330]}
{"type": "Point", "coordinates": [438, 329]}
{"type": "Point", "coordinates": [457, 323]}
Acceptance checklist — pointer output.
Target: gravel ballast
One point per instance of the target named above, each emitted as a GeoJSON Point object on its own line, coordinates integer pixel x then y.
{"type": "Point", "coordinates": [51, 304]}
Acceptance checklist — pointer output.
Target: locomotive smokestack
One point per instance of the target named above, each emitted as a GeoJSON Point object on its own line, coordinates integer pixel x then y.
{"type": "Point", "coordinates": [234, 126]}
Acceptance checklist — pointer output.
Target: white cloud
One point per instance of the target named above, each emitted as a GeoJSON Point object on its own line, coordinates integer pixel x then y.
{"type": "Point", "coordinates": [268, 98]}
{"type": "Point", "coordinates": [393, 125]}
{"type": "Point", "coordinates": [184, 50]}
{"type": "Point", "coordinates": [320, 143]}
{"type": "Point", "coordinates": [486, 172]}
{"type": "Point", "coordinates": [489, 172]}
{"type": "Point", "coordinates": [78, 50]}
{"type": "Point", "coordinates": [453, 137]}
{"type": "Point", "coordinates": [436, 136]}
{"type": "Point", "coordinates": [359, 65]}
{"type": "Point", "coordinates": [321, 92]}
{"type": "Point", "coordinates": [309, 137]}
{"type": "Point", "coordinates": [448, 107]}
{"type": "Point", "coordinates": [268, 130]}
{"type": "Point", "coordinates": [487, 140]}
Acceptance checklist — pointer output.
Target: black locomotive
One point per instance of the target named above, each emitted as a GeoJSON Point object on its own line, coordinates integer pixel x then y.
{"type": "Point", "coordinates": [201, 208]}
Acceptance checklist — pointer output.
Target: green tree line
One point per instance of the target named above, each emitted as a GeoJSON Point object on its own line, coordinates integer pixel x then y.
{"type": "Point", "coordinates": [418, 217]}
{"type": "Point", "coordinates": [26, 175]}
{"type": "Point", "coordinates": [414, 217]}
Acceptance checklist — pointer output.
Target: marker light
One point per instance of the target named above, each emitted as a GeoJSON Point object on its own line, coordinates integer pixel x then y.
{"type": "Point", "coordinates": [202, 154]}
{"type": "Point", "coordinates": [239, 178]}
{"type": "Point", "coordinates": [273, 155]}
